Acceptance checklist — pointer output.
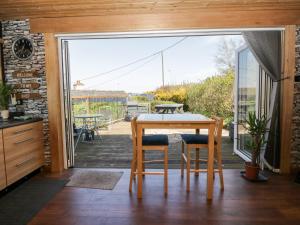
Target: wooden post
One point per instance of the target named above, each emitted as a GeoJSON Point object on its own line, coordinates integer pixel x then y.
{"type": "Point", "coordinates": [54, 103]}
{"type": "Point", "coordinates": [287, 98]}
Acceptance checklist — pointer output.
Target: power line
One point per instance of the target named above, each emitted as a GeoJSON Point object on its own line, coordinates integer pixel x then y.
{"type": "Point", "coordinates": [124, 74]}
{"type": "Point", "coordinates": [135, 61]}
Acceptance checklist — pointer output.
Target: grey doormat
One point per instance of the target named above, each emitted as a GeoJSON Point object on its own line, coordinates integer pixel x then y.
{"type": "Point", "coordinates": [20, 205]}
{"type": "Point", "coordinates": [105, 180]}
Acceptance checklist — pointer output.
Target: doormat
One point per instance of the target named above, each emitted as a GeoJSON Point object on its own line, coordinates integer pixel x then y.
{"type": "Point", "coordinates": [105, 180]}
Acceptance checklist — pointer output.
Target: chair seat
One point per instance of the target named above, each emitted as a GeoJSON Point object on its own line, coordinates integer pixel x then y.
{"type": "Point", "coordinates": [157, 139]}
{"type": "Point", "coordinates": [195, 139]}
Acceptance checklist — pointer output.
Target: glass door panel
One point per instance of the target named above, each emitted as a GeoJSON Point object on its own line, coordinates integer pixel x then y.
{"type": "Point", "coordinates": [246, 98]}
{"type": "Point", "coordinates": [69, 141]}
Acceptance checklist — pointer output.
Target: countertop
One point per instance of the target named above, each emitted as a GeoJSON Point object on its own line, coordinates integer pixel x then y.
{"type": "Point", "coordinates": [13, 123]}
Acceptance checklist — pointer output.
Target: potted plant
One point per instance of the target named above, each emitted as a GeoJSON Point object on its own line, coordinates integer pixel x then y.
{"type": "Point", "coordinates": [5, 91]}
{"type": "Point", "coordinates": [257, 128]}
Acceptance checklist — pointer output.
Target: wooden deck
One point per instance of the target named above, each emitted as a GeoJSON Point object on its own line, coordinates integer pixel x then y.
{"type": "Point", "coordinates": [276, 202]}
{"type": "Point", "coordinates": [114, 149]}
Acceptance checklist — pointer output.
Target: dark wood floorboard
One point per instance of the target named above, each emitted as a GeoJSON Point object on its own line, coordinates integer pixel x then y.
{"type": "Point", "coordinates": [276, 202]}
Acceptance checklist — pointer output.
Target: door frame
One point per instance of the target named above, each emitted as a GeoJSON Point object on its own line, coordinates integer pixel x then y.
{"type": "Point", "coordinates": [236, 82]}
{"type": "Point", "coordinates": [55, 109]}
{"type": "Point", "coordinates": [247, 157]}
{"type": "Point", "coordinates": [142, 34]}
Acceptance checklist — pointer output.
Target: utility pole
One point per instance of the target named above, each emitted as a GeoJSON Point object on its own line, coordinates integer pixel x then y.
{"type": "Point", "coordinates": [162, 68]}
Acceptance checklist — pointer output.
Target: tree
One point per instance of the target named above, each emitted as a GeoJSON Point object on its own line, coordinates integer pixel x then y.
{"type": "Point", "coordinates": [225, 57]}
{"type": "Point", "coordinates": [213, 96]}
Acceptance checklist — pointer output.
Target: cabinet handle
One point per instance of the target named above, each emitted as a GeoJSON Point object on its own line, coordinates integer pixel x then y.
{"type": "Point", "coordinates": [25, 161]}
{"type": "Point", "coordinates": [22, 131]}
{"type": "Point", "coordinates": [20, 142]}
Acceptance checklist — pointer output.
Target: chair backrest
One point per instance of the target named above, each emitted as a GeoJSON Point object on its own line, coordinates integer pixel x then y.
{"type": "Point", "coordinates": [133, 130]}
{"type": "Point", "coordinates": [218, 129]}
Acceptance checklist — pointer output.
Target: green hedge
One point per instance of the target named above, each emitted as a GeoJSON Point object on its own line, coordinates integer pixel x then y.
{"type": "Point", "coordinates": [214, 96]}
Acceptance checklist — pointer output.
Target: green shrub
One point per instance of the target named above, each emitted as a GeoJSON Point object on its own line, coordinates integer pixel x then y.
{"type": "Point", "coordinates": [173, 93]}
{"type": "Point", "coordinates": [213, 96]}
{"type": "Point", "coordinates": [139, 98]}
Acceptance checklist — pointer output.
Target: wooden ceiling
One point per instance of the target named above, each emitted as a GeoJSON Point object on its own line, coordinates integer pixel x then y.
{"type": "Point", "coordinates": [18, 9]}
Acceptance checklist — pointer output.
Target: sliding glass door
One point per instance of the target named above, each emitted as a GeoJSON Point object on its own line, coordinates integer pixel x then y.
{"type": "Point", "coordinates": [246, 94]}
{"type": "Point", "coordinates": [253, 88]}
{"type": "Point", "coordinates": [69, 139]}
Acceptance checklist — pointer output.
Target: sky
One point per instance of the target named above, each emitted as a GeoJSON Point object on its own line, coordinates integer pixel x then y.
{"type": "Point", "coordinates": [191, 60]}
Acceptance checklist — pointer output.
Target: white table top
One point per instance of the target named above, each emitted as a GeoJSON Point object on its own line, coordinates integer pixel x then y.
{"type": "Point", "coordinates": [169, 118]}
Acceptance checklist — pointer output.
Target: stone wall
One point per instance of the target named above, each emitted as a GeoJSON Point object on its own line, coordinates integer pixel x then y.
{"type": "Point", "coordinates": [11, 30]}
{"type": "Point", "coordinates": [296, 113]}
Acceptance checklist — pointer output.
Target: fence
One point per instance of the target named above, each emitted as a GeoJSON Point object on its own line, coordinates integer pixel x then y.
{"type": "Point", "coordinates": [110, 112]}
{"type": "Point", "coordinates": [136, 109]}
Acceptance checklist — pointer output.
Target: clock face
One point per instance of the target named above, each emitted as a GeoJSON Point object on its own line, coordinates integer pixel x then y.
{"type": "Point", "coordinates": [22, 48]}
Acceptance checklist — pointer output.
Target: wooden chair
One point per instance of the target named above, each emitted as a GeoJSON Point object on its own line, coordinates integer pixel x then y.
{"type": "Point", "coordinates": [198, 141]}
{"type": "Point", "coordinates": [149, 143]}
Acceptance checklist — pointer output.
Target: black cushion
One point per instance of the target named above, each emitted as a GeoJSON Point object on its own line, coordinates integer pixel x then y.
{"type": "Point", "coordinates": [195, 138]}
{"type": "Point", "coordinates": [157, 139]}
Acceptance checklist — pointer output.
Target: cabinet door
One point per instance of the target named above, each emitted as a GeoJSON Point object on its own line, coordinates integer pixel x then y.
{"type": "Point", "coordinates": [2, 166]}
{"type": "Point", "coordinates": [23, 149]}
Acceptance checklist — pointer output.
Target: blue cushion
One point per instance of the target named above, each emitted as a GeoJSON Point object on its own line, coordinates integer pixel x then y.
{"type": "Point", "coordinates": [195, 138]}
{"type": "Point", "coordinates": [156, 139]}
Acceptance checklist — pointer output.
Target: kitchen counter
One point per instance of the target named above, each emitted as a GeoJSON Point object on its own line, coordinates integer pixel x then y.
{"type": "Point", "coordinates": [13, 123]}
{"type": "Point", "coordinates": [21, 149]}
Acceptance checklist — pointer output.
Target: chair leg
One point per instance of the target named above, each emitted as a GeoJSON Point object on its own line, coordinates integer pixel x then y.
{"type": "Point", "coordinates": [182, 159]}
{"type": "Point", "coordinates": [133, 170]}
{"type": "Point", "coordinates": [220, 168]}
{"type": "Point", "coordinates": [188, 168]}
{"type": "Point", "coordinates": [197, 161]}
{"type": "Point", "coordinates": [166, 171]}
{"type": "Point", "coordinates": [143, 162]}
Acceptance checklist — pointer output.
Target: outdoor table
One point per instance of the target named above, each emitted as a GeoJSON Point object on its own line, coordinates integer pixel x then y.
{"type": "Point", "coordinates": [87, 120]}
{"type": "Point", "coordinates": [166, 108]}
{"type": "Point", "coordinates": [176, 121]}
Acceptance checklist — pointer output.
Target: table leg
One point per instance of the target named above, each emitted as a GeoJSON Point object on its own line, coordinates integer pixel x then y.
{"type": "Point", "coordinates": [197, 157]}
{"type": "Point", "coordinates": [210, 169]}
{"type": "Point", "coordinates": [139, 161]}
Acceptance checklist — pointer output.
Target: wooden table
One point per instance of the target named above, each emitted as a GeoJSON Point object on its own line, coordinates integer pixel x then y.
{"type": "Point", "coordinates": [176, 121]}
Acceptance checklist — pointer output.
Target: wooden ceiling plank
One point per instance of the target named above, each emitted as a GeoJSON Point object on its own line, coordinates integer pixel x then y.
{"type": "Point", "coordinates": [96, 12]}
{"type": "Point", "coordinates": [148, 22]}
{"type": "Point", "coordinates": [74, 8]}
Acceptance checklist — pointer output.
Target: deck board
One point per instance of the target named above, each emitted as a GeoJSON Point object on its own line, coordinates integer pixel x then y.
{"type": "Point", "coordinates": [114, 150]}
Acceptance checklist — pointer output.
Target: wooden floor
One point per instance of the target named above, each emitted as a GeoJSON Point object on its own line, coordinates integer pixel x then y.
{"type": "Point", "coordinates": [276, 202]}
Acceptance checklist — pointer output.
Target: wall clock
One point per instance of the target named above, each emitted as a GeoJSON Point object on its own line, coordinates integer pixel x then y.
{"type": "Point", "coordinates": [22, 48]}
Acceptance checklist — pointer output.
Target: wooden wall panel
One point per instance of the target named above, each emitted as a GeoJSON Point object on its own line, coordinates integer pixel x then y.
{"type": "Point", "coordinates": [287, 98]}
{"type": "Point", "coordinates": [76, 8]}
{"type": "Point", "coordinates": [192, 19]}
{"type": "Point", "coordinates": [54, 103]}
